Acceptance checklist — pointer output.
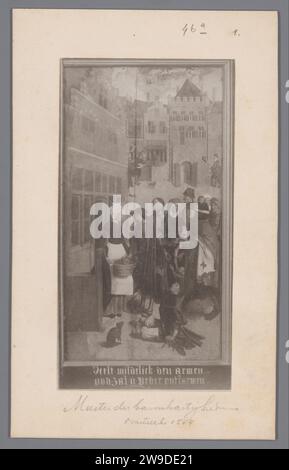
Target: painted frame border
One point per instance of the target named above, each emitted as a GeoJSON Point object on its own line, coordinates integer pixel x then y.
{"type": "Point", "coordinates": [228, 67]}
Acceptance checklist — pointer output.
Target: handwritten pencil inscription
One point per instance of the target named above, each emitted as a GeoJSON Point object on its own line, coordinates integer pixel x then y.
{"type": "Point", "coordinates": [201, 29]}
{"type": "Point", "coordinates": [142, 412]}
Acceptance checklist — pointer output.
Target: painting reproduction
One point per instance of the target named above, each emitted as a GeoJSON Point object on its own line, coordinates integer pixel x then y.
{"type": "Point", "coordinates": [140, 304]}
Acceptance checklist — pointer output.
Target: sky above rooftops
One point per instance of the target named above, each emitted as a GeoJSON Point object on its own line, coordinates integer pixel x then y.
{"type": "Point", "coordinates": [136, 82]}
{"type": "Point", "coordinates": [162, 82]}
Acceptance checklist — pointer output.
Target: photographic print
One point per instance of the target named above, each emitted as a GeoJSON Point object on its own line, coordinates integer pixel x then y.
{"type": "Point", "coordinates": [139, 312]}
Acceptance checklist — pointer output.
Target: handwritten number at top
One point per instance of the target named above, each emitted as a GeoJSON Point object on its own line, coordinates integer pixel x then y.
{"type": "Point", "coordinates": [201, 29]}
{"type": "Point", "coordinates": [192, 28]}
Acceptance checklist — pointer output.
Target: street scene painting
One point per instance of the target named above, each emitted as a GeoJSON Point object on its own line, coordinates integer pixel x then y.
{"type": "Point", "coordinates": [137, 312]}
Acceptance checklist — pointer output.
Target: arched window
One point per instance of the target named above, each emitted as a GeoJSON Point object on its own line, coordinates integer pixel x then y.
{"type": "Point", "coordinates": [190, 132]}
{"type": "Point", "coordinates": [202, 132]}
{"type": "Point", "coordinates": [189, 173]}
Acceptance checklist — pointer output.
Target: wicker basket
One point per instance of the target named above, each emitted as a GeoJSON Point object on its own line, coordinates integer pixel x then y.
{"type": "Point", "coordinates": [123, 270]}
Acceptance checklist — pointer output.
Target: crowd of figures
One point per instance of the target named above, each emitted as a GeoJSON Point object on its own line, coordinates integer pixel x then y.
{"type": "Point", "coordinates": [168, 283]}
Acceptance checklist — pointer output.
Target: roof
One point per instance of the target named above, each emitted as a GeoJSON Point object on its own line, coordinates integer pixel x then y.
{"type": "Point", "coordinates": [189, 90]}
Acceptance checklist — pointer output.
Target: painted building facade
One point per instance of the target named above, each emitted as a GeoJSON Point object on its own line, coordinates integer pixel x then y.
{"type": "Point", "coordinates": [179, 143]}
{"type": "Point", "coordinates": [96, 158]}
